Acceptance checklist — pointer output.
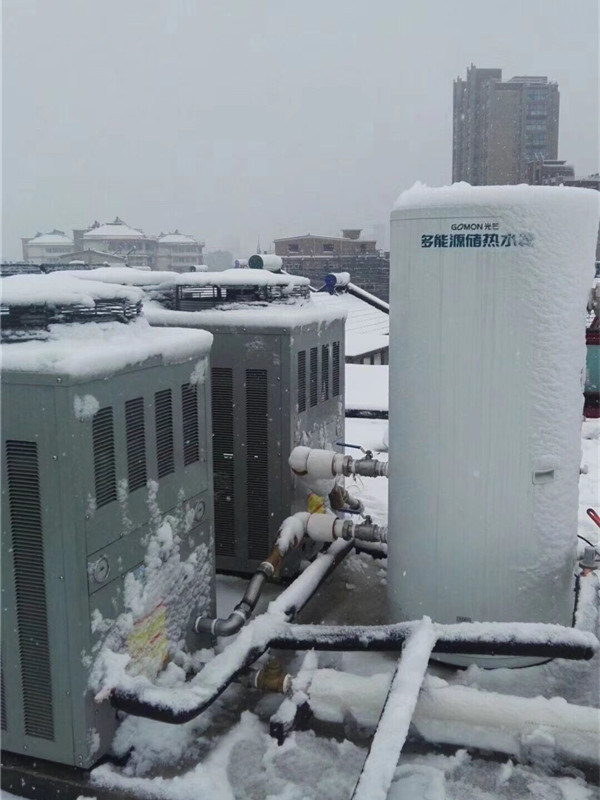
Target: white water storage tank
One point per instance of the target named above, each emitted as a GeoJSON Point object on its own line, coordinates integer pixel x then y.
{"type": "Point", "coordinates": [487, 346]}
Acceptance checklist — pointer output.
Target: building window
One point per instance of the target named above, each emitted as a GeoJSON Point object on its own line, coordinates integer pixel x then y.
{"type": "Point", "coordinates": [363, 248]}
{"type": "Point", "coordinates": [328, 248]}
{"type": "Point", "coordinates": [293, 248]}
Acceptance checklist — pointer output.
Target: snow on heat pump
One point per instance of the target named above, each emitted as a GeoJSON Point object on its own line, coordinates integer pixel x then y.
{"type": "Point", "coordinates": [488, 304]}
{"type": "Point", "coordinates": [107, 520]}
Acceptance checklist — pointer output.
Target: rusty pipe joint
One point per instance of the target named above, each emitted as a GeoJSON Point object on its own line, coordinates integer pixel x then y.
{"type": "Point", "coordinates": [273, 678]}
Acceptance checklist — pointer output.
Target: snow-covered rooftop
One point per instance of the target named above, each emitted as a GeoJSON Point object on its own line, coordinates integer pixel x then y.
{"type": "Point", "coordinates": [362, 318]}
{"type": "Point", "coordinates": [176, 238]}
{"type": "Point", "coordinates": [61, 289]}
{"type": "Point", "coordinates": [92, 349]}
{"type": "Point", "coordinates": [54, 237]}
{"type": "Point", "coordinates": [359, 343]}
{"type": "Point", "coordinates": [114, 230]}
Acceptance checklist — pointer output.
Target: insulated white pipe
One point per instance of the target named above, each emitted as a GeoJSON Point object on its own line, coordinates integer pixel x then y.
{"type": "Point", "coordinates": [460, 715]}
{"type": "Point", "coordinates": [316, 463]}
{"type": "Point", "coordinates": [327, 463]}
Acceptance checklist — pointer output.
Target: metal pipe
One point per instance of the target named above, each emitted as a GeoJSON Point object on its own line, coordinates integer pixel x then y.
{"type": "Point", "coordinates": [369, 298]}
{"type": "Point", "coordinates": [149, 701]}
{"type": "Point", "coordinates": [535, 640]}
{"type": "Point", "coordinates": [243, 610]}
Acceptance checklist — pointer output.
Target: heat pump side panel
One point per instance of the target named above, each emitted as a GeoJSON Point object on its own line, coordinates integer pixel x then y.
{"type": "Point", "coordinates": [36, 666]}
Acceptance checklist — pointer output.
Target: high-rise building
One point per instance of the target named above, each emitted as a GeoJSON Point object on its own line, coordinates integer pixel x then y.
{"type": "Point", "coordinates": [502, 126]}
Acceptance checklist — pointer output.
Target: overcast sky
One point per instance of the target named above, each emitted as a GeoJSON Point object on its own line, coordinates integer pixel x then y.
{"type": "Point", "coordinates": [234, 120]}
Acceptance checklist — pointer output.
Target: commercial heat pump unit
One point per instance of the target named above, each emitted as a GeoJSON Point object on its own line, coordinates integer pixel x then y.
{"type": "Point", "coordinates": [106, 455]}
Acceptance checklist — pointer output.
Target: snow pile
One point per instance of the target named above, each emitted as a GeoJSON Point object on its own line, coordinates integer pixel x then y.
{"type": "Point", "coordinates": [127, 276]}
{"type": "Point", "coordinates": [85, 407]}
{"type": "Point", "coordinates": [422, 196]}
{"type": "Point", "coordinates": [291, 531]}
{"type": "Point", "coordinates": [90, 349]}
{"type": "Point", "coordinates": [61, 289]}
{"type": "Point", "coordinates": [291, 314]}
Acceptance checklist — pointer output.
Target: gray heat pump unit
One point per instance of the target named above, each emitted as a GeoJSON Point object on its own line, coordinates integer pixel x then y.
{"type": "Point", "coordinates": [78, 452]}
{"type": "Point", "coordinates": [277, 381]}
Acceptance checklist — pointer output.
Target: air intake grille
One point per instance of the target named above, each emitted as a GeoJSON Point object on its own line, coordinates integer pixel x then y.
{"type": "Point", "coordinates": [335, 377]}
{"type": "Point", "coordinates": [223, 463]}
{"type": "Point", "coordinates": [104, 457]}
{"type": "Point", "coordinates": [189, 411]}
{"type": "Point", "coordinates": [324, 373]}
{"type": "Point", "coordinates": [302, 380]}
{"type": "Point", "coordinates": [2, 700]}
{"type": "Point", "coordinates": [30, 587]}
{"type": "Point", "coordinates": [163, 416]}
{"type": "Point", "coordinates": [135, 433]}
{"type": "Point", "coordinates": [257, 431]}
{"type": "Point", "coordinates": [313, 376]}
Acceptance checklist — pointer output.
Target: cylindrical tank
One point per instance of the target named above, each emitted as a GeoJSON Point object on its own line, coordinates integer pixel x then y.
{"type": "Point", "coordinates": [269, 262]}
{"type": "Point", "coordinates": [488, 292]}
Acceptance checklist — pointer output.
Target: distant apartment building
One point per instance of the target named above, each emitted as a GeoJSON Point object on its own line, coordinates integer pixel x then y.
{"type": "Point", "coordinates": [314, 256]}
{"type": "Point", "coordinates": [168, 251]}
{"type": "Point", "coordinates": [48, 248]}
{"type": "Point", "coordinates": [177, 251]}
{"type": "Point", "coordinates": [500, 127]}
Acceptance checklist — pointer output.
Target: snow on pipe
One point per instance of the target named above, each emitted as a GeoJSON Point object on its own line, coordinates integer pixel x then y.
{"type": "Point", "coordinates": [464, 716]}
{"type": "Point", "coordinates": [321, 528]}
{"type": "Point", "coordinates": [140, 697]}
{"type": "Point", "coordinates": [369, 298]}
{"type": "Point", "coordinates": [378, 770]}
{"type": "Point", "coordinates": [326, 528]}
{"type": "Point", "coordinates": [327, 463]}
{"type": "Point", "coordinates": [271, 263]}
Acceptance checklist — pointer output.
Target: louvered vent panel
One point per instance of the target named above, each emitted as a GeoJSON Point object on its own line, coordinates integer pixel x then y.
{"type": "Point", "coordinates": [257, 432]}
{"type": "Point", "coordinates": [163, 418]}
{"type": "Point", "coordinates": [104, 457]}
{"type": "Point", "coordinates": [223, 463]}
{"type": "Point", "coordinates": [314, 381]}
{"type": "Point", "coordinates": [189, 411]}
{"type": "Point", "coordinates": [324, 372]}
{"type": "Point", "coordinates": [302, 380]}
{"type": "Point", "coordinates": [335, 377]}
{"type": "Point", "coordinates": [2, 700]}
{"type": "Point", "coordinates": [135, 433]}
{"type": "Point", "coordinates": [30, 587]}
